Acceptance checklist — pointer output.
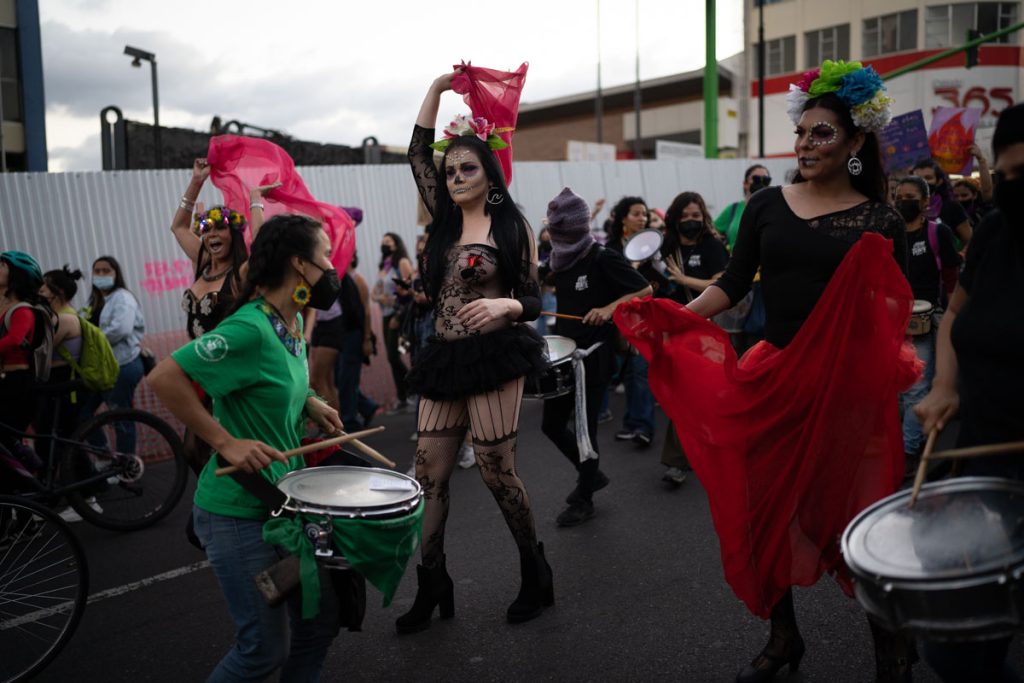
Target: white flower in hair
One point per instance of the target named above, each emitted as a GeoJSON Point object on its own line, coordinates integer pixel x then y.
{"type": "Point", "coordinates": [873, 115]}
{"type": "Point", "coordinates": [795, 101]}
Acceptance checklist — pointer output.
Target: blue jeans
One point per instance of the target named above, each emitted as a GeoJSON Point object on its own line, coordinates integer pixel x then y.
{"type": "Point", "coordinates": [356, 408]}
{"type": "Point", "coordinates": [639, 415]}
{"type": "Point", "coordinates": [913, 436]}
{"type": "Point", "coordinates": [237, 552]}
{"type": "Point", "coordinates": [121, 396]}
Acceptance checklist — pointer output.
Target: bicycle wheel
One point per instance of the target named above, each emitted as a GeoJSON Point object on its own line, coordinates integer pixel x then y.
{"type": "Point", "coordinates": [44, 583]}
{"type": "Point", "coordinates": [145, 465]}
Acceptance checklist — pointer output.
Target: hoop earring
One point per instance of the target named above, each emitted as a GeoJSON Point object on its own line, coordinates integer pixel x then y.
{"type": "Point", "coordinates": [300, 294]}
{"type": "Point", "coordinates": [494, 197]}
{"type": "Point", "coordinates": [854, 166]}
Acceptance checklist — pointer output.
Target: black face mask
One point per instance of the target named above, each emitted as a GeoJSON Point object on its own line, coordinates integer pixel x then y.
{"type": "Point", "coordinates": [1009, 198]}
{"type": "Point", "coordinates": [325, 292]}
{"type": "Point", "coordinates": [691, 230]}
{"type": "Point", "coordinates": [910, 209]}
{"type": "Point", "coordinates": [386, 251]}
{"type": "Point", "coordinates": [759, 182]}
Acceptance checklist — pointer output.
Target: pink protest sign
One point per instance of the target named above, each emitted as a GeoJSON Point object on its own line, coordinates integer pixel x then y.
{"type": "Point", "coordinates": [951, 137]}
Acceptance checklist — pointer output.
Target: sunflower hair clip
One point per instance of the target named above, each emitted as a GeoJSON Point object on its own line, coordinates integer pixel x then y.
{"type": "Point", "coordinates": [218, 216]}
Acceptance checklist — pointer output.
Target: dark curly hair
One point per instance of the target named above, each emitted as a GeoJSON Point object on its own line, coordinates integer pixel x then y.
{"type": "Point", "coordinates": [619, 213]}
{"type": "Point", "coordinates": [279, 239]}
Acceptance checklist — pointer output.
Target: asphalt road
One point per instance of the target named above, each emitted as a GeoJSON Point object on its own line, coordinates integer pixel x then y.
{"type": "Point", "coordinates": [639, 593]}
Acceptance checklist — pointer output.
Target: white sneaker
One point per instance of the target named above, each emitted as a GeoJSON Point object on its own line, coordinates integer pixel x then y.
{"type": "Point", "coordinates": [620, 389]}
{"type": "Point", "coordinates": [466, 456]}
{"type": "Point", "coordinates": [91, 502]}
{"type": "Point", "coordinates": [69, 515]}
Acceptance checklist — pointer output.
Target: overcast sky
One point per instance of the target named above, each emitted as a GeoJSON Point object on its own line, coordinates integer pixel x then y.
{"type": "Point", "coordinates": [340, 71]}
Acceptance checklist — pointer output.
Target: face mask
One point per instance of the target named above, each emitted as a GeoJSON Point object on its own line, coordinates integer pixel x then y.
{"type": "Point", "coordinates": [1009, 197]}
{"type": "Point", "coordinates": [324, 293]}
{"type": "Point", "coordinates": [691, 230]}
{"type": "Point", "coordinates": [910, 209]}
{"type": "Point", "coordinates": [759, 182]}
{"type": "Point", "coordinates": [103, 282]}
{"type": "Point", "coordinates": [385, 250]}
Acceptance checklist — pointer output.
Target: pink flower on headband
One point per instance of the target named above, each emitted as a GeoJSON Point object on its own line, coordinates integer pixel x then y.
{"type": "Point", "coordinates": [807, 79]}
{"type": "Point", "coordinates": [481, 127]}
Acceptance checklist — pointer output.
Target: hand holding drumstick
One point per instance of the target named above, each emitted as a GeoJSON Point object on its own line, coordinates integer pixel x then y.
{"type": "Point", "coordinates": [246, 464]}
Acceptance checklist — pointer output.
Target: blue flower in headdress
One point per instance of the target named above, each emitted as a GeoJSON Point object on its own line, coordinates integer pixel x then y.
{"type": "Point", "coordinates": [860, 86]}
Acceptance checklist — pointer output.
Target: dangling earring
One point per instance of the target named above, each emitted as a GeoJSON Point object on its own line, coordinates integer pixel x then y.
{"type": "Point", "coordinates": [494, 197]}
{"type": "Point", "coordinates": [300, 294]}
{"type": "Point", "coordinates": [853, 165]}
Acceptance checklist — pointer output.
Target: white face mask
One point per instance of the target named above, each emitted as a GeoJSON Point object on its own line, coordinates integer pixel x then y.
{"type": "Point", "coordinates": [104, 283]}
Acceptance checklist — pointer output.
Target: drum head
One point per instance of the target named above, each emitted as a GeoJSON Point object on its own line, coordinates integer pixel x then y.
{"type": "Point", "coordinates": [643, 245]}
{"type": "Point", "coordinates": [958, 528]}
{"type": "Point", "coordinates": [922, 306]}
{"type": "Point", "coordinates": [347, 488]}
{"type": "Point", "coordinates": [558, 348]}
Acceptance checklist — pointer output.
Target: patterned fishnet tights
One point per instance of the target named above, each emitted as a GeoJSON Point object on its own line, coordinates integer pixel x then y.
{"type": "Point", "coordinates": [492, 419]}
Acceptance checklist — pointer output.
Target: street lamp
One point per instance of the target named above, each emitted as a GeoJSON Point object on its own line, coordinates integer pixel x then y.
{"type": "Point", "coordinates": [138, 57]}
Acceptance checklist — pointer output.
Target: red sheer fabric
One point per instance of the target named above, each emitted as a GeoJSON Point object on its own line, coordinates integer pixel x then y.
{"type": "Point", "coordinates": [493, 95]}
{"type": "Point", "coordinates": [789, 444]}
{"type": "Point", "coordinates": [239, 163]}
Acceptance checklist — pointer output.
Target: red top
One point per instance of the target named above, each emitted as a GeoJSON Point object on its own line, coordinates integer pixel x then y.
{"type": "Point", "coordinates": [12, 351]}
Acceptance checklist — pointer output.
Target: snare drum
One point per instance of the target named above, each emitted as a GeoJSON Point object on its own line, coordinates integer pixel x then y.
{"type": "Point", "coordinates": [921, 319]}
{"type": "Point", "coordinates": [949, 568]}
{"type": "Point", "coordinates": [643, 245]}
{"type": "Point", "coordinates": [559, 378]}
{"type": "Point", "coordinates": [326, 497]}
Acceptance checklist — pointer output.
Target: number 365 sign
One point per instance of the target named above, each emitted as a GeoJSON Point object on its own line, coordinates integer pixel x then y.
{"type": "Point", "coordinates": [990, 100]}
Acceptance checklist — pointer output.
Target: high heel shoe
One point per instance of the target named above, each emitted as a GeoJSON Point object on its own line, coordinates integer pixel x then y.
{"type": "Point", "coordinates": [772, 659]}
{"type": "Point", "coordinates": [537, 590]}
{"type": "Point", "coordinates": [434, 589]}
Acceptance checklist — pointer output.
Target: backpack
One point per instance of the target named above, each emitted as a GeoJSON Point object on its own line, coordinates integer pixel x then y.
{"type": "Point", "coordinates": [97, 366]}
{"type": "Point", "coordinates": [41, 343]}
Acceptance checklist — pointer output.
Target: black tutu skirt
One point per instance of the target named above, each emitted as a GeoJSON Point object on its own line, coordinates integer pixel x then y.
{"type": "Point", "coordinates": [450, 370]}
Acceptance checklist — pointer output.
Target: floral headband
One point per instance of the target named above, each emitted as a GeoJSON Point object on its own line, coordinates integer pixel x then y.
{"type": "Point", "coordinates": [859, 87]}
{"type": "Point", "coordinates": [218, 215]}
{"type": "Point", "coordinates": [479, 127]}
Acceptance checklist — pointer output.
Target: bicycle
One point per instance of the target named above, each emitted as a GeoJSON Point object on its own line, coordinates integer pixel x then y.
{"type": "Point", "coordinates": [127, 487]}
{"type": "Point", "coordinates": [44, 584]}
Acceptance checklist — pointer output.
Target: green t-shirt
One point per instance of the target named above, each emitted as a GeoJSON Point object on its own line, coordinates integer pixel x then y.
{"type": "Point", "coordinates": [728, 222]}
{"type": "Point", "coordinates": [259, 391]}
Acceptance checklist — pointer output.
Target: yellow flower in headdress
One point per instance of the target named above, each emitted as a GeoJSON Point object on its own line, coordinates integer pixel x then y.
{"type": "Point", "coordinates": [236, 218]}
{"type": "Point", "coordinates": [214, 215]}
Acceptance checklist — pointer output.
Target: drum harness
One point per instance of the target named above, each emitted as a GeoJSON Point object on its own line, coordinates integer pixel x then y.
{"type": "Point", "coordinates": [583, 444]}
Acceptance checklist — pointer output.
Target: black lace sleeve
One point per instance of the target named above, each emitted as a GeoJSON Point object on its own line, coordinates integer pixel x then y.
{"type": "Point", "coordinates": [527, 291]}
{"type": "Point", "coordinates": [421, 158]}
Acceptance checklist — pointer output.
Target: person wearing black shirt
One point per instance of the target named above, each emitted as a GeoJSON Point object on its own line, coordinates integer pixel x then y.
{"type": "Point", "coordinates": [694, 259]}
{"type": "Point", "coordinates": [932, 269]}
{"type": "Point", "coordinates": [798, 236]}
{"type": "Point", "coordinates": [979, 368]}
{"type": "Point", "coordinates": [942, 204]}
{"type": "Point", "coordinates": [590, 282]}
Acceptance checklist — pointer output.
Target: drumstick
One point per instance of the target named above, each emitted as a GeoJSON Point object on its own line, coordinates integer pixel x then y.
{"type": "Point", "coordinates": [979, 451]}
{"type": "Point", "coordinates": [922, 468]}
{"type": "Point", "coordinates": [319, 445]}
{"type": "Point", "coordinates": [562, 315]}
{"type": "Point", "coordinates": [373, 453]}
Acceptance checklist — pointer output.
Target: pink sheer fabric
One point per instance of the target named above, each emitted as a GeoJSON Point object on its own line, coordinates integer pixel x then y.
{"type": "Point", "coordinates": [493, 95]}
{"type": "Point", "coordinates": [790, 444]}
{"type": "Point", "coordinates": [239, 163]}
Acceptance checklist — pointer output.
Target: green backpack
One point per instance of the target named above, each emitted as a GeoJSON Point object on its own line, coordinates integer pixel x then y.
{"type": "Point", "coordinates": [97, 366]}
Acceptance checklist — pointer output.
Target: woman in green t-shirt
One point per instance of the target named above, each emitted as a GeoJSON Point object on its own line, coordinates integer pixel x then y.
{"type": "Point", "coordinates": [253, 365]}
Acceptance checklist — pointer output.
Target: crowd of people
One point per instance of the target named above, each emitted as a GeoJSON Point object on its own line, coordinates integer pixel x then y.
{"type": "Point", "coordinates": [819, 276]}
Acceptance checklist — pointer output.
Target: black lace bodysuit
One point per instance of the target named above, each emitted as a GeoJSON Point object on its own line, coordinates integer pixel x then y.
{"type": "Point", "coordinates": [204, 313]}
{"type": "Point", "coordinates": [798, 257]}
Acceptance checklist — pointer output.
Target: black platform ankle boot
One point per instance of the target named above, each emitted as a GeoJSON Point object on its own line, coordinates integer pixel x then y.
{"type": "Point", "coordinates": [537, 590]}
{"type": "Point", "coordinates": [435, 588]}
{"type": "Point", "coordinates": [785, 646]}
{"type": "Point", "coordinates": [895, 655]}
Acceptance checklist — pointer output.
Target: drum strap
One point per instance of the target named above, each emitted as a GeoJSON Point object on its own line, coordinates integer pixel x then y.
{"type": "Point", "coordinates": [583, 444]}
{"type": "Point", "coordinates": [257, 485]}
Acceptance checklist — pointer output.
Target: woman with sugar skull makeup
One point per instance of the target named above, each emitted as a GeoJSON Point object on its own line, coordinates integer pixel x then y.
{"type": "Point", "coordinates": [802, 432]}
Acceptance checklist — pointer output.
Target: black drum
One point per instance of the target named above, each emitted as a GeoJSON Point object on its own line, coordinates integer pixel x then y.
{"type": "Point", "coordinates": [559, 378]}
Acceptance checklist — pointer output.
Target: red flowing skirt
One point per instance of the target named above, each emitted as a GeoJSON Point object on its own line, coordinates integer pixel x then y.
{"type": "Point", "coordinates": [790, 444]}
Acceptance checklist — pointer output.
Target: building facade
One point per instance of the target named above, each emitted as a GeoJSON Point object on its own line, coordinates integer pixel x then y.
{"type": "Point", "coordinates": [22, 103]}
{"type": "Point", "coordinates": [888, 34]}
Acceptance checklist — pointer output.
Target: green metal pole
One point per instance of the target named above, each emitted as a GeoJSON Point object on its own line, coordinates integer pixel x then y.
{"type": "Point", "coordinates": [951, 51]}
{"type": "Point", "coordinates": [710, 84]}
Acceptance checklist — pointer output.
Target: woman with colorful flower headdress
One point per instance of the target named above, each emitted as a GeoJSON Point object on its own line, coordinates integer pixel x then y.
{"type": "Point", "coordinates": [480, 271]}
{"type": "Point", "coordinates": [802, 432]}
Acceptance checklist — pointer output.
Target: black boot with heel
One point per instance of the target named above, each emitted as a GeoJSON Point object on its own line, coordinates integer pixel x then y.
{"type": "Point", "coordinates": [435, 588]}
{"type": "Point", "coordinates": [785, 646]}
{"type": "Point", "coordinates": [537, 590]}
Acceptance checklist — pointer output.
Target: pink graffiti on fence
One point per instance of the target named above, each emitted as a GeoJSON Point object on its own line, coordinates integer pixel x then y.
{"type": "Point", "coordinates": [167, 276]}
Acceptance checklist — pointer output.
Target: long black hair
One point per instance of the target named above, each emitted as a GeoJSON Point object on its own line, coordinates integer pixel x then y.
{"type": "Point", "coordinates": [98, 298]}
{"type": "Point", "coordinates": [239, 255]}
{"type": "Point", "coordinates": [399, 253]}
{"type": "Point", "coordinates": [945, 189]}
{"type": "Point", "coordinates": [510, 230]}
{"type": "Point", "coordinates": [63, 282]}
{"type": "Point", "coordinates": [280, 238]}
{"type": "Point", "coordinates": [872, 181]}
{"type": "Point", "coordinates": [673, 217]}
{"type": "Point", "coordinates": [619, 213]}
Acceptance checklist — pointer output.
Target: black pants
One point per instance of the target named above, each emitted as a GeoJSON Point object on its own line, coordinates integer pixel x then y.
{"type": "Point", "coordinates": [398, 369]}
{"type": "Point", "coordinates": [557, 411]}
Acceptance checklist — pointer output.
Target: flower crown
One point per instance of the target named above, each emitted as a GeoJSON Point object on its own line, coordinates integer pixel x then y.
{"type": "Point", "coordinates": [218, 215]}
{"type": "Point", "coordinates": [858, 86]}
{"type": "Point", "coordinates": [478, 126]}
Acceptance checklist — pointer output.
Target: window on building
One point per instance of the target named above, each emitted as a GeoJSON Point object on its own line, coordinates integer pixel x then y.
{"type": "Point", "coordinates": [780, 56]}
{"type": "Point", "coordinates": [9, 86]}
{"type": "Point", "coordinates": [947, 25]}
{"type": "Point", "coordinates": [828, 43]}
{"type": "Point", "coordinates": [890, 33]}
